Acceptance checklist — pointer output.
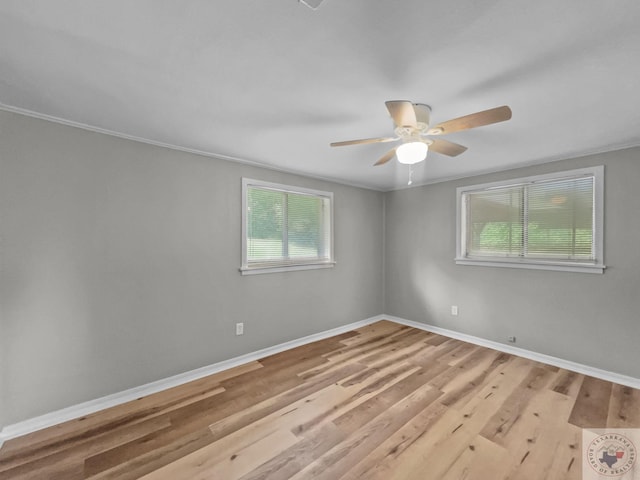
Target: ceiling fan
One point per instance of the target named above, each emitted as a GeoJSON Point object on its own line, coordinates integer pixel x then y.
{"type": "Point", "coordinates": [412, 127]}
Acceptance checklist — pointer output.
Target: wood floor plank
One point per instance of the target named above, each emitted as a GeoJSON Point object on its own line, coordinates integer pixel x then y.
{"type": "Point", "coordinates": [360, 393]}
{"type": "Point", "coordinates": [511, 410]}
{"type": "Point", "coordinates": [362, 352]}
{"type": "Point", "coordinates": [472, 373]}
{"type": "Point", "coordinates": [459, 353]}
{"type": "Point", "coordinates": [359, 442]}
{"type": "Point", "coordinates": [480, 409]}
{"type": "Point", "coordinates": [568, 383]}
{"type": "Point", "coordinates": [556, 454]}
{"type": "Point", "coordinates": [444, 441]}
{"type": "Point", "coordinates": [481, 460]}
{"type": "Point", "coordinates": [134, 467]}
{"type": "Point", "coordinates": [462, 372]}
{"type": "Point", "coordinates": [234, 461]}
{"type": "Point", "coordinates": [360, 414]}
{"type": "Point", "coordinates": [289, 462]}
{"type": "Point", "coordinates": [384, 401]}
{"type": "Point", "coordinates": [308, 403]}
{"type": "Point", "coordinates": [68, 461]}
{"type": "Point", "coordinates": [396, 348]}
{"type": "Point", "coordinates": [120, 420]}
{"type": "Point", "coordinates": [193, 421]}
{"type": "Point", "coordinates": [434, 352]}
{"type": "Point", "coordinates": [454, 432]}
{"type": "Point", "coordinates": [242, 418]}
{"type": "Point", "coordinates": [383, 458]}
{"type": "Point", "coordinates": [438, 340]}
{"type": "Point", "coordinates": [378, 330]}
{"type": "Point", "coordinates": [547, 412]}
{"type": "Point", "coordinates": [591, 408]}
{"type": "Point", "coordinates": [235, 440]}
{"type": "Point", "coordinates": [390, 458]}
{"type": "Point", "coordinates": [62, 436]}
{"type": "Point", "coordinates": [624, 407]}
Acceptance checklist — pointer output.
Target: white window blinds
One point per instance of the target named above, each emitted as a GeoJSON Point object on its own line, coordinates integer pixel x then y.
{"type": "Point", "coordinates": [547, 219]}
{"type": "Point", "coordinates": [559, 221]}
{"type": "Point", "coordinates": [284, 227]}
{"type": "Point", "coordinates": [495, 222]}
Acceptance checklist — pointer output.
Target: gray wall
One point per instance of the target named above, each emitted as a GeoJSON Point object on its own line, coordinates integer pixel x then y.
{"type": "Point", "coordinates": [120, 266]}
{"type": "Point", "coordinates": [588, 318]}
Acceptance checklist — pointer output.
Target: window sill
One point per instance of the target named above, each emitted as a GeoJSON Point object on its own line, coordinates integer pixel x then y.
{"type": "Point", "coordinates": [256, 270]}
{"type": "Point", "coordinates": [534, 265]}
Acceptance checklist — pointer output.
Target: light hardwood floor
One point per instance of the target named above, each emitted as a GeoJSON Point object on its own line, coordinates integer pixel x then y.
{"type": "Point", "coordinates": [383, 402]}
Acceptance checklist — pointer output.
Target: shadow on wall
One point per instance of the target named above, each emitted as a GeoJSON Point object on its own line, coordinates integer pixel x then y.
{"type": "Point", "coordinates": [436, 292]}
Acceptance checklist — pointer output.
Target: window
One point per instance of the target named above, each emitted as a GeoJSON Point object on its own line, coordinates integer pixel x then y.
{"type": "Point", "coordinates": [545, 222]}
{"type": "Point", "coordinates": [285, 228]}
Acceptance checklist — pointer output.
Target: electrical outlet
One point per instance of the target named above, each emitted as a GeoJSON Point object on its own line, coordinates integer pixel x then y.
{"type": "Point", "coordinates": [239, 328]}
{"type": "Point", "coordinates": [511, 339]}
{"type": "Point", "coordinates": [454, 310]}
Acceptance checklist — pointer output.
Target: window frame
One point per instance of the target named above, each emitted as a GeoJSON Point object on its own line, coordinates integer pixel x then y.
{"type": "Point", "coordinates": [247, 268]}
{"type": "Point", "coordinates": [596, 266]}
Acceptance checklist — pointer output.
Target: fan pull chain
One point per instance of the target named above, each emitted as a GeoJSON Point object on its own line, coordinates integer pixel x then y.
{"type": "Point", "coordinates": [410, 175]}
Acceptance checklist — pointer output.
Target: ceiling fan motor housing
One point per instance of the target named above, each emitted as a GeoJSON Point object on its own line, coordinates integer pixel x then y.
{"type": "Point", "coordinates": [417, 127]}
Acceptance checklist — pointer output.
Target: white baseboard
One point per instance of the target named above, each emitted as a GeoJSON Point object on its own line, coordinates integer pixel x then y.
{"type": "Point", "coordinates": [92, 406]}
{"type": "Point", "coordinates": [521, 352]}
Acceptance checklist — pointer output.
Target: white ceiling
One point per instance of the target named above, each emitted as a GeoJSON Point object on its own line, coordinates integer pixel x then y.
{"type": "Point", "coordinates": [273, 82]}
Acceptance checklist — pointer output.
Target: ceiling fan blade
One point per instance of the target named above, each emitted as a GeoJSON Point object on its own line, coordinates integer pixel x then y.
{"type": "Point", "coordinates": [386, 157]}
{"type": "Point", "coordinates": [479, 119]}
{"type": "Point", "coordinates": [402, 113]}
{"type": "Point", "coordinates": [423, 113]}
{"type": "Point", "coordinates": [446, 147]}
{"type": "Point", "coordinates": [364, 140]}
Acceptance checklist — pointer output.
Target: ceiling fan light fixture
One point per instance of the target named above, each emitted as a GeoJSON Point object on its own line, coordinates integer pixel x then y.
{"type": "Point", "coordinates": [412, 152]}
